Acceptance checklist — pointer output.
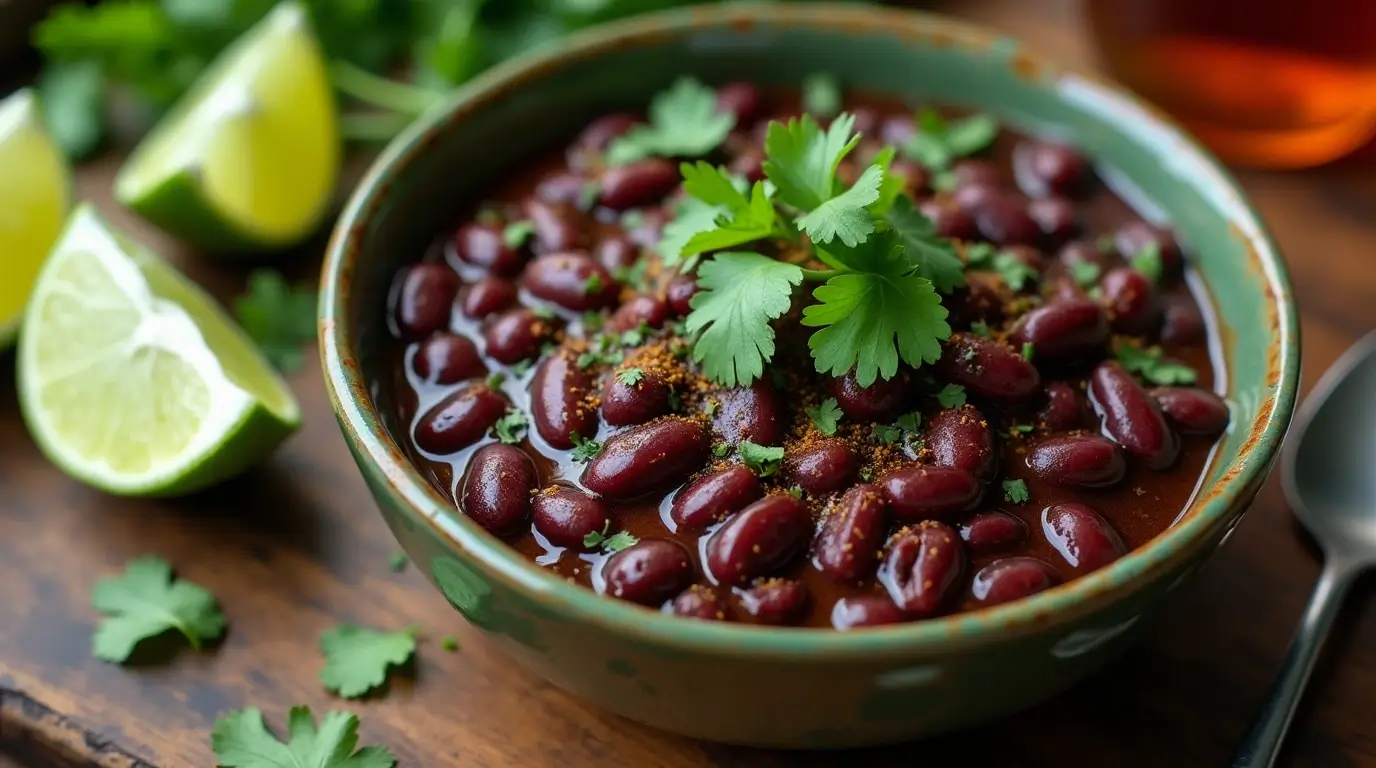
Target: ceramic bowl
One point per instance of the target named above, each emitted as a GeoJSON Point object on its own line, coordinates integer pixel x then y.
{"type": "Point", "coordinates": [792, 687]}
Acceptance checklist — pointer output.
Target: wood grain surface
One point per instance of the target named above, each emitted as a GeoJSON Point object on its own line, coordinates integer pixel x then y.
{"type": "Point", "coordinates": [295, 547]}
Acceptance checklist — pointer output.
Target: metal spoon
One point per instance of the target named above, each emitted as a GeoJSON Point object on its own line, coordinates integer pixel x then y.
{"type": "Point", "coordinates": [1328, 470]}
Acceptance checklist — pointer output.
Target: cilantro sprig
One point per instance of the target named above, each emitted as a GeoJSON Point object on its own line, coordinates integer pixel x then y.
{"type": "Point", "coordinates": [357, 658]}
{"type": "Point", "coordinates": [242, 740]}
{"type": "Point", "coordinates": [826, 416]}
{"type": "Point", "coordinates": [1151, 364]}
{"type": "Point", "coordinates": [145, 602]}
{"type": "Point", "coordinates": [684, 122]}
{"type": "Point", "coordinates": [763, 460]}
{"type": "Point", "coordinates": [609, 544]}
{"type": "Point", "coordinates": [936, 143]}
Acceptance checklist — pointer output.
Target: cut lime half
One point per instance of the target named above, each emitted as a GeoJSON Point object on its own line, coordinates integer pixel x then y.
{"type": "Point", "coordinates": [248, 160]}
{"type": "Point", "coordinates": [133, 380]}
{"type": "Point", "coordinates": [33, 201]}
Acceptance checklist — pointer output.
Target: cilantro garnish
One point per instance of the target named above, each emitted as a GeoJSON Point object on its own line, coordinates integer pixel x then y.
{"type": "Point", "coordinates": [931, 256]}
{"type": "Point", "coordinates": [631, 376]}
{"type": "Point", "coordinates": [357, 658]}
{"type": "Point", "coordinates": [951, 396]}
{"type": "Point", "coordinates": [593, 284]}
{"type": "Point", "coordinates": [636, 336]}
{"type": "Point", "coordinates": [937, 143]}
{"type": "Point", "coordinates": [740, 293]}
{"type": "Point", "coordinates": [763, 460]}
{"type": "Point", "coordinates": [242, 740]}
{"type": "Point", "coordinates": [910, 422]}
{"type": "Point", "coordinates": [684, 122]}
{"type": "Point", "coordinates": [1085, 273]}
{"type": "Point", "coordinates": [592, 321]}
{"type": "Point", "coordinates": [1028, 350]}
{"type": "Point", "coordinates": [821, 95]}
{"type": "Point", "coordinates": [1151, 365]}
{"type": "Point", "coordinates": [1014, 271]}
{"type": "Point", "coordinates": [543, 312]}
{"type": "Point", "coordinates": [675, 400]}
{"type": "Point", "coordinates": [980, 328]}
{"type": "Point", "coordinates": [1015, 491]}
{"type": "Point", "coordinates": [449, 643]}
{"type": "Point", "coordinates": [609, 544]}
{"type": "Point", "coordinates": [885, 434]}
{"type": "Point", "coordinates": [584, 450]}
{"type": "Point", "coordinates": [825, 416]}
{"type": "Point", "coordinates": [1148, 262]}
{"type": "Point", "coordinates": [515, 234]}
{"type": "Point", "coordinates": [980, 255]}
{"type": "Point", "coordinates": [1020, 429]}
{"type": "Point", "coordinates": [801, 161]}
{"type": "Point", "coordinates": [144, 602]}
{"type": "Point", "coordinates": [398, 562]}
{"type": "Point", "coordinates": [1105, 244]}
{"type": "Point", "coordinates": [522, 367]}
{"type": "Point", "coordinates": [279, 318]}
{"type": "Point", "coordinates": [796, 491]}
{"type": "Point", "coordinates": [496, 380]}
{"type": "Point", "coordinates": [736, 219]}
{"type": "Point", "coordinates": [721, 450]}
{"type": "Point", "coordinates": [511, 428]}
{"type": "Point", "coordinates": [588, 194]}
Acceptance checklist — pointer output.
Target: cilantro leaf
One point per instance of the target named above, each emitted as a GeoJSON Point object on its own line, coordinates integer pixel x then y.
{"type": "Point", "coordinates": [826, 416]}
{"type": "Point", "coordinates": [845, 216]}
{"type": "Point", "coordinates": [739, 219]}
{"type": "Point", "coordinates": [910, 422]}
{"type": "Point", "coordinates": [980, 328]}
{"type": "Point", "coordinates": [821, 95]}
{"type": "Point", "coordinates": [1015, 272]}
{"type": "Point", "coordinates": [951, 396]}
{"type": "Point", "coordinates": [1148, 262]}
{"type": "Point", "coordinates": [692, 218]}
{"type": "Point", "coordinates": [801, 159]}
{"type": "Point", "coordinates": [397, 563]}
{"type": "Point", "coordinates": [936, 143]}
{"type": "Point", "coordinates": [740, 294]}
{"type": "Point", "coordinates": [932, 257]}
{"type": "Point", "coordinates": [763, 460]}
{"type": "Point", "coordinates": [1020, 429]}
{"type": "Point", "coordinates": [891, 187]}
{"type": "Point", "coordinates": [145, 602]}
{"type": "Point", "coordinates": [584, 450]}
{"type": "Point", "coordinates": [278, 317]}
{"type": "Point", "coordinates": [631, 376]}
{"type": "Point", "coordinates": [242, 740]}
{"type": "Point", "coordinates": [613, 543]}
{"type": "Point", "coordinates": [511, 428]}
{"type": "Point", "coordinates": [1015, 491]}
{"type": "Point", "coordinates": [1085, 273]}
{"type": "Point", "coordinates": [593, 284]}
{"type": "Point", "coordinates": [684, 122]}
{"type": "Point", "coordinates": [1151, 365]}
{"type": "Point", "coordinates": [449, 643]}
{"type": "Point", "coordinates": [980, 255]}
{"type": "Point", "coordinates": [885, 434]}
{"type": "Point", "coordinates": [515, 234]}
{"type": "Point", "coordinates": [1028, 351]}
{"type": "Point", "coordinates": [972, 134]}
{"type": "Point", "coordinates": [357, 658]}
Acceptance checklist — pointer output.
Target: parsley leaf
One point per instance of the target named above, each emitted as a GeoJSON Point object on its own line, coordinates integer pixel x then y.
{"type": "Point", "coordinates": [684, 122]}
{"type": "Point", "coordinates": [278, 317]}
{"type": "Point", "coordinates": [932, 257]}
{"type": "Point", "coordinates": [241, 740]}
{"type": "Point", "coordinates": [1015, 272]}
{"type": "Point", "coordinates": [357, 658]}
{"type": "Point", "coordinates": [951, 396]}
{"type": "Point", "coordinates": [885, 434]}
{"type": "Point", "coordinates": [1148, 262]}
{"type": "Point", "coordinates": [1015, 491]}
{"type": "Point", "coordinates": [740, 294]}
{"type": "Point", "coordinates": [1151, 365]}
{"type": "Point", "coordinates": [826, 416]}
{"type": "Point", "coordinates": [763, 460]}
{"type": "Point", "coordinates": [801, 159]}
{"type": "Point", "coordinates": [845, 216]}
{"type": "Point", "coordinates": [511, 428]}
{"type": "Point", "coordinates": [584, 450]}
{"type": "Point", "coordinates": [1085, 273]}
{"type": "Point", "coordinates": [631, 376]}
{"type": "Point", "coordinates": [515, 234]}
{"type": "Point", "coordinates": [821, 95]}
{"type": "Point", "coordinates": [936, 143]}
{"type": "Point", "coordinates": [145, 602]}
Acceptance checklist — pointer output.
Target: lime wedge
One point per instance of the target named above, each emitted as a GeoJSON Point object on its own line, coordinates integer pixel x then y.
{"type": "Point", "coordinates": [133, 380]}
{"type": "Point", "coordinates": [248, 159]}
{"type": "Point", "coordinates": [33, 202]}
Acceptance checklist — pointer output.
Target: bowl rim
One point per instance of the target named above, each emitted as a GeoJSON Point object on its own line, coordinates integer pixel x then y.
{"type": "Point", "coordinates": [1219, 505]}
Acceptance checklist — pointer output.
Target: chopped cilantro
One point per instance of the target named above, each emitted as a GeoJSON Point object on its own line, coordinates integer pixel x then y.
{"type": "Point", "coordinates": [763, 460]}
{"type": "Point", "coordinates": [1105, 244]}
{"type": "Point", "coordinates": [592, 321]}
{"type": "Point", "coordinates": [1085, 273]}
{"type": "Point", "coordinates": [796, 491]}
{"type": "Point", "coordinates": [449, 643]}
{"type": "Point", "coordinates": [241, 740]}
{"type": "Point", "coordinates": [1020, 429]}
{"type": "Point", "coordinates": [684, 122]}
{"type": "Point", "coordinates": [825, 416]}
{"type": "Point", "coordinates": [945, 181]}
{"type": "Point", "coordinates": [866, 474]}
{"type": "Point", "coordinates": [609, 544]}
{"type": "Point", "coordinates": [515, 234]}
{"type": "Point", "coordinates": [910, 422]}
{"type": "Point", "coordinates": [980, 255]}
{"type": "Point", "coordinates": [1015, 272]}
{"type": "Point", "coordinates": [584, 450]}
{"type": "Point", "coordinates": [931, 256]}
{"type": "Point", "coordinates": [1028, 350]}
{"type": "Point", "coordinates": [1151, 365]}
{"type": "Point", "coordinates": [675, 400]}
{"type": "Point", "coordinates": [721, 450]}
{"type": "Point", "coordinates": [542, 312]}
{"type": "Point", "coordinates": [740, 294]}
{"type": "Point", "coordinates": [496, 380]}
{"type": "Point", "coordinates": [398, 562]}
{"type": "Point", "coordinates": [821, 95]}
{"type": "Point", "coordinates": [936, 143]}
{"type": "Point", "coordinates": [1148, 262]}
{"type": "Point", "coordinates": [633, 219]}
{"type": "Point", "coordinates": [593, 284]}
{"type": "Point", "coordinates": [980, 328]}
{"type": "Point", "coordinates": [885, 434]}
{"type": "Point", "coordinates": [511, 428]}
{"type": "Point", "coordinates": [357, 658]}
{"type": "Point", "coordinates": [521, 368]}
{"type": "Point", "coordinates": [631, 376]}
{"type": "Point", "coordinates": [1015, 491]}
{"type": "Point", "coordinates": [636, 336]}
{"type": "Point", "coordinates": [144, 602]}
{"type": "Point", "coordinates": [951, 396]}
{"type": "Point", "coordinates": [588, 195]}
{"type": "Point", "coordinates": [711, 407]}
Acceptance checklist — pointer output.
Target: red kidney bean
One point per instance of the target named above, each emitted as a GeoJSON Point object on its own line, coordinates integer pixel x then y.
{"type": "Point", "coordinates": [649, 572]}
{"type": "Point", "coordinates": [555, 229]}
{"type": "Point", "coordinates": [639, 183]}
{"type": "Point", "coordinates": [1068, 328]}
{"type": "Point", "coordinates": [1181, 321]}
{"type": "Point", "coordinates": [699, 602]}
{"type": "Point", "coordinates": [974, 196]}
{"type": "Point", "coordinates": [880, 401]}
{"type": "Point", "coordinates": [572, 280]}
{"type": "Point", "coordinates": [565, 516]}
{"type": "Point", "coordinates": [749, 164]}
{"type": "Point", "coordinates": [650, 310]}
{"type": "Point", "coordinates": [750, 413]}
{"type": "Point", "coordinates": [915, 178]}
{"type": "Point", "coordinates": [1056, 218]}
{"type": "Point", "coordinates": [857, 611]}
{"type": "Point", "coordinates": [925, 493]}
{"type": "Point", "coordinates": [1192, 410]}
{"type": "Point", "coordinates": [1003, 220]}
{"type": "Point", "coordinates": [847, 548]}
{"type": "Point", "coordinates": [1042, 168]}
{"type": "Point", "coordinates": [1078, 251]}
{"type": "Point", "coordinates": [1132, 417]}
{"type": "Point", "coordinates": [1012, 578]}
{"type": "Point", "coordinates": [616, 252]}
{"type": "Point", "coordinates": [992, 531]}
{"type": "Point", "coordinates": [988, 368]}
{"type": "Point", "coordinates": [1064, 409]}
{"type": "Point", "coordinates": [924, 564]}
{"type": "Point", "coordinates": [757, 540]}
{"type": "Point", "coordinates": [1081, 536]}
{"type": "Point", "coordinates": [680, 292]}
{"type": "Point", "coordinates": [1062, 288]}
{"type": "Point", "coordinates": [740, 99]}
{"type": "Point", "coordinates": [482, 246]}
{"type": "Point", "coordinates": [561, 188]}
{"type": "Point", "coordinates": [423, 295]}
{"type": "Point", "coordinates": [975, 171]}
{"type": "Point", "coordinates": [828, 465]}
{"type": "Point", "coordinates": [961, 438]}
{"type": "Point", "coordinates": [950, 219]}
{"type": "Point", "coordinates": [600, 132]}
{"type": "Point", "coordinates": [459, 420]}
{"type": "Point", "coordinates": [866, 120]}
{"type": "Point", "coordinates": [559, 400]}
{"type": "Point", "coordinates": [488, 296]}
{"type": "Point", "coordinates": [448, 358]}
{"type": "Point", "coordinates": [517, 335]}
{"type": "Point", "coordinates": [974, 301]}
{"type": "Point", "coordinates": [624, 404]}
{"type": "Point", "coordinates": [896, 130]}
{"type": "Point", "coordinates": [712, 497]}
{"type": "Point", "coordinates": [1129, 300]}
{"type": "Point", "coordinates": [496, 488]}
{"type": "Point", "coordinates": [776, 602]}
{"type": "Point", "coordinates": [648, 458]}
{"type": "Point", "coordinates": [1134, 236]}
{"type": "Point", "coordinates": [646, 232]}
{"type": "Point", "coordinates": [1085, 460]}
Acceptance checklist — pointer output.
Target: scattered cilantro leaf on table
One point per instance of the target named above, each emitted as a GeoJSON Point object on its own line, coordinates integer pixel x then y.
{"type": "Point", "coordinates": [242, 740]}
{"type": "Point", "coordinates": [144, 602]}
{"type": "Point", "coordinates": [684, 122]}
{"type": "Point", "coordinates": [278, 317]}
{"type": "Point", "coordinates": [763, 460]}
{"type": "Point", "coordinates": [821, 95]}
{"type": "Point", "coordinates": [932, 257]}
{"type": "Point", "coordinates": [826, 416]}
{"type": "Point", "coordinates": [398, 562]}
{"type": "Point", "coordinates": [740, 293]}
{"type": "Point", "coordinates": [511, 428]}
{"type": "Point", "coordinates": [1015, 491]}
{"type": "Point", "coordinates": [1151, 364]}
{"type": "Point", "coordinates": [357, 658]}
{"type": "Point", "coordinates": [937, 143]}
{"type": "Point", "coordinates": [951, 396]}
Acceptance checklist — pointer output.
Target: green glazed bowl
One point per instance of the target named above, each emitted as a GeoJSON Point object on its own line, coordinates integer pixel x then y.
{"type": "Point", "coordinates": [791, 687]}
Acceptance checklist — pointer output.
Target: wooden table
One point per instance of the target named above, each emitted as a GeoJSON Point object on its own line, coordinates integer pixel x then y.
{"type": "Point", "coordinates": [295, 547]}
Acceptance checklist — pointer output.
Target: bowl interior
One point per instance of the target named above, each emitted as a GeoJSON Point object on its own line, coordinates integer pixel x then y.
{"type": "Point", "coordinates": [423, 178]}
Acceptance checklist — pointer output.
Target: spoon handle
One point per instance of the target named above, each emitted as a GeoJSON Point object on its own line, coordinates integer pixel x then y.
{"type": "Point", "coordinates": [1262, 744]}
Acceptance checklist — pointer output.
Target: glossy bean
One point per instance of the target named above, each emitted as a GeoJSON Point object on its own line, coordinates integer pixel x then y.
{"type": "Point", "coordinates": [1003, 220]}
{"type": "Point", "coordinates": [896, 130]}
{"type": "Point", "coordinates": [650, 457]}
{"type": "Point", "coordinates": [1064, 409]}
{"type": "Point", "coordinates": [988, 368]}
{"type": "Point", "coordinates": [1089, 461]}
{"type": "Point", "coordinates": [923, 567]}
{"type": "Point", "coordinates": [776, 602]}
{"type": "Point", "coordinates": [880, 401]}
{"type": "Point", "coordinates": [976, 301]}
{"type": "Point", "coordinates": [1129, 300]}
{"type": "Point", "coordinates": [639, 183]}
{"type": "Point", "coordinates": [847, 547]}
{"type": "Point", "coordinates": [1081, 536]}
{"type": "Point", "coordinates": [448, 358]}
{"type": "Point", "coordinates": [496, 488]}
{"type": "Point", "coordinates": [821, 468]}
{"type": "Point", "coordinates": [680, 293]}
{"type": "Point", "coordinates": [1182, 323]}
{"type": "Point", "coordinates": [961, 438]}
{"type": "Point", "coordinates": [561, 187]}
{"type": "Point", "coordinates": [950, 219]}
{"type": "Point", "coordinates": [1132, 417]}
{"type": "Point", "coordinates": [459, 420]}
{"type": "Point", "coordinates": [1043, 168]}
{"type": "Point", "coordinates": [1083, 251]}
{"type": "Point", "coordinates": [517, 335]}
{"type": "Point", "coordinates": [649, 572]}
{"type": "Point", "coordinates": [760, 538]}
{"type": "Point", "coordinates": [1012, 578]}
{"type": "Point", "coordinates": [975, 196]}
{"type": "Point", "coordinates": [488, 296]}
{"type": "Point", "coordinates": [572, 280]}
{"type": "Point", "coordinates": [560, 404]}
{"type": "Point", "coordinates": [749, 413]}
{"type": "Point", "coordinates": [624, 404]}
{"type": "Point", "coordinates": [565, 516]}
{"type": "Point", "coordinates": [712, 497]}
{"type": "Point", "coordinates": [422, 297]}
{"type": "Point", "coordinates": [600, 132]}
{"type": "Point", "coordinates": [616, 253]}
{"type": "Point", "coordinates": [555, 227]}
{"type": "Point", "coordinates": [1070, 328]}
{"type": "Point", "coordinates": [482, 246]}
{"type": "Point", "coordinates": [646, 309]}
{"type": "Point", "coordinates": [859, 611]}
{"type": "Point", "coordinates": [924, 493]}
{"type": "Point", "coordinates": [915, 179]}
{"type": "Point", "coordinates": [1056, 217]}
{"type": "Point", "coordinates": [699, 602]}
{"type": "Point", "coordinates": [970, 171]}
{"type": "Point", "coordinates": [1192, 410]}
{"type": "Point", "coordinates": [741, 99]}
{"type": "Point", "coordinates": [992, 531]}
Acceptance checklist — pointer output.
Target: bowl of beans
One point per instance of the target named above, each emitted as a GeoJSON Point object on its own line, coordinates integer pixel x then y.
{"type": "Point", "coordinates": [805, 375]}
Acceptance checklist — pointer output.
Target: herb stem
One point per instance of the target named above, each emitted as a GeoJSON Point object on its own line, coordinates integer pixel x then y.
{"type": "Point", "coordinates": [819, 275]}
{"type": "Point", "coordinates": [382, 92]}
{"type": "Point", "coordinates": [371, 127]}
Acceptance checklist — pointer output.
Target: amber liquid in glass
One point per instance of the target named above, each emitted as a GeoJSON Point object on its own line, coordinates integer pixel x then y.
{"type": "Point", "coordinates": [1270, 83]}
